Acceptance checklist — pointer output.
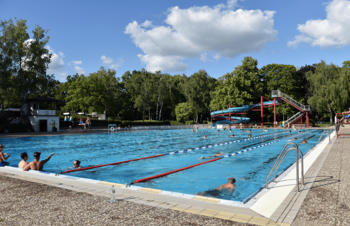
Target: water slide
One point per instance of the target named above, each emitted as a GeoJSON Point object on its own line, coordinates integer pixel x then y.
{"type": "Point", "coordinates": [222, 116]}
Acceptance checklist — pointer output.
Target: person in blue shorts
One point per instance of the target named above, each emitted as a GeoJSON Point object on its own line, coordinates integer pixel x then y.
{"type": "Point", "coordinates": [2, 156]}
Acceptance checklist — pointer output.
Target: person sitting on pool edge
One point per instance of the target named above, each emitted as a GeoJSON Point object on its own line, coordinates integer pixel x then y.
{"type": "Point", "coordinates": [23, 163]}
{"type": "Point", "coordinates": [2, 155]}
{"type": "Point", "coordinates": [37, 164]}
{"type": "Point", "coordinates": [77, 164]}
{"type": "Point", "coordinates": [213, 156]}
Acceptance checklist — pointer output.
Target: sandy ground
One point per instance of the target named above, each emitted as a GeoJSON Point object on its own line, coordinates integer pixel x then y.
{"type": "Point", "coordinates": [28, 203]}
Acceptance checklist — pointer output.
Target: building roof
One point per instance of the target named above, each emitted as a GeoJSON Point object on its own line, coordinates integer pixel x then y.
{"type": "Point", "coordinates": [43, 99]}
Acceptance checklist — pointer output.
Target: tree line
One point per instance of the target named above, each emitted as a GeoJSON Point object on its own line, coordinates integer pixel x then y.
{"type": "Point", "coordinates": [141, 95]}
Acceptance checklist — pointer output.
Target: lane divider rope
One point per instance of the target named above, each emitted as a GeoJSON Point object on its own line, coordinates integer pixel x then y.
{"type": "Point", "coordinates": [188, 167]}
{"type": "Point", "coordinates": [170, 153]}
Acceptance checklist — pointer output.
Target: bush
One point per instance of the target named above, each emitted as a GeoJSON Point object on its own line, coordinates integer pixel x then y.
{"type": "Point", "coordinates": [189, 122]}
{"type": "Point", "coordinates": [176, 123]}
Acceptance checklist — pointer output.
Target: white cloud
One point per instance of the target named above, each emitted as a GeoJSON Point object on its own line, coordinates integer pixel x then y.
{"type": "Point", "coordinates": [332, 31]}
{"type": "Point", "coordinates": [197, 30]}
{"type": "Point", "coordinates": [106, 60]}
{"type": "Point", "coordinates": [110, 62]}
{"type": "Point", "coordinates": [204, 57]}
{"type": "Point", "coordinates": [79, 70]}
{"type": "Point", "coordinates": [57, 64]}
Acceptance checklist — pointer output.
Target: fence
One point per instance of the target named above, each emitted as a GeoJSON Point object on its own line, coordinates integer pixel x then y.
{"type": "Point", "coordinates": [166, 127]}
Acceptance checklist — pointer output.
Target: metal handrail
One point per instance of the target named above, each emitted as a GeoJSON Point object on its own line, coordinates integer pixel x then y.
{"type": "Point", "coordinates": [297, 164]}
{"type": "Point", "coordinates": [285, 146]}
{"type": "Point", "coordinates": [321, 135]}
{"type": "Point", "coordinates": [293, 118]}
{"type": "Point", "coordinates": [278, 93]}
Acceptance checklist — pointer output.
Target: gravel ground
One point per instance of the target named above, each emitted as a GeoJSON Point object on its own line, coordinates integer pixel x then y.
{"type": "Point", "coordinates": [28, 203]}
{"type": "Point", "coordinates": [328, 201]}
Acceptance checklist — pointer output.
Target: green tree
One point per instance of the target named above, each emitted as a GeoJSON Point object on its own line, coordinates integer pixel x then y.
{"type": "Point", "coordinates": [29, 57]}
{"type": "Point", "coordinates": [286, 79]}
{"type": "Point", "coordinates": [184, 111]}
{"type": "Point", "coordinates": [329, 87]}
{"type": "Point", "coordinates": [240, 87]}
{"type": "Point", "coordinates": [197, 92]}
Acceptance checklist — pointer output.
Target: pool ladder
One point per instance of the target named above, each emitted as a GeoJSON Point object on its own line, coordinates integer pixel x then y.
{"type": "Point", "coordinates": [297, 163]}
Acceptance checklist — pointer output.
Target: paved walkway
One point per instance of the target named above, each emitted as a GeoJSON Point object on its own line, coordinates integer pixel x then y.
{"type": "Point", "coordinates": [328, 201]}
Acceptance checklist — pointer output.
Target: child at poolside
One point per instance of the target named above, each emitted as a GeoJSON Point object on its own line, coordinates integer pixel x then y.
{"type": "Point", "coordinates": [23, 163]}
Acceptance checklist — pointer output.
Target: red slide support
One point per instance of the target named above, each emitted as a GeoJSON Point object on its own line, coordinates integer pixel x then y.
{"type": "Point", "coordinates": [174, 171]}
{"type": "Point", "coordinates": [111, 164]}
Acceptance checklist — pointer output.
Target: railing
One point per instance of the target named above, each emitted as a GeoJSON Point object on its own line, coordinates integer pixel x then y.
{"type": "Point", "coordinates": [297, 164]}
{"type": "Point", "coordinates": [170, 127]}
{"type": "Point", "coordinates": [293, 118]}
{"type": "Point", "coordinates": [328, 131]}
{"type": "Point", "coordinates": [278, 93]}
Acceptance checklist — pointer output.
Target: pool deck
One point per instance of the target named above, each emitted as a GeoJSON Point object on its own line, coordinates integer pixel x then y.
{"type": "Point", "coordinates": [295, 208]}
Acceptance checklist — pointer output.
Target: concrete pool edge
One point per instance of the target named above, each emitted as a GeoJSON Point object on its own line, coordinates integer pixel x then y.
{"type": "Point", "coordinates": [283, 197]}
{"type": "Point", "coordinates": [197, 205]}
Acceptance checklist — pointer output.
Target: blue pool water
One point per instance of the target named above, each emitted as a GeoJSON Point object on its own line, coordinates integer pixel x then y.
{"type": "Point", "coordinates": [249, 168]}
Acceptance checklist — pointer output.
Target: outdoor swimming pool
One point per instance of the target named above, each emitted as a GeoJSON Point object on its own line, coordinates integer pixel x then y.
{"type": "Point", "coordinates": [249, 168]}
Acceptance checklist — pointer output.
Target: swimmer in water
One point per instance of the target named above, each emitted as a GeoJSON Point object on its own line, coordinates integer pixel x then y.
{"type": "Point", "coordinates": [76, 164]}
{"type": "Point", "coordinates": [265, 130]}
{"type": "Point", "coordinates": [230, 185]}
{"type": "Point", "coordinates": [230, 131]}
{"type": "Point", "coordinates": [23, 163]}
{"type": "Point", "coordinates": [205, 137]}
{"type": "Point", "coordinates": [213, 156]}
{"type": "Point", "coordinates": [233, 135]}
{"type": "Point", "coordinates": [250, 131]}
{"type": "Point", "coordinates": [295, 138]}
{"type": "Point", "coordinates": [250, 136]}
{"type": "Point", "coordinates": [218, 130]}
{"type": "Point", "coordinates": [243, 131]}
{"type": "Point", "coordinates": [192, 130]}
{"type": "Point", "coordinates": [304, 141]}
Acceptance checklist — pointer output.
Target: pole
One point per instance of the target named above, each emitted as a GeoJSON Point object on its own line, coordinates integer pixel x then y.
{"type": "Point", "coordinates": [283, 116]}
{"type": "Point", "coordinates": [274, 108]}
{"type": "Point", "coordinates": [301, 122]}
{"type": "Point", "coordinates": [307, 119]}
{"type": "Point", "coordinates": [262, 113]}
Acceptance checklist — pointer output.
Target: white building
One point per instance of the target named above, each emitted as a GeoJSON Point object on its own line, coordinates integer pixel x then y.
{"type": "Point", "coordinates": [42, 120]}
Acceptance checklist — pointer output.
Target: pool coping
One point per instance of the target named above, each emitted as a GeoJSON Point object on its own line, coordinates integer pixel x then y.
{"type": "Point", "coordinates": [223, 209]}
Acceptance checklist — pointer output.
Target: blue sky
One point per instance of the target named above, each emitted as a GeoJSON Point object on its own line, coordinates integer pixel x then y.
{"type": "Point", "coordinates": [186, 36]}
